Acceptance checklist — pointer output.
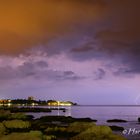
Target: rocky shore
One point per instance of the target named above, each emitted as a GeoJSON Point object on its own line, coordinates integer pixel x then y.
{"type": "Point", "coordinates": [31, 109]}
{"type": "Point", "coordinates": [22, 127]}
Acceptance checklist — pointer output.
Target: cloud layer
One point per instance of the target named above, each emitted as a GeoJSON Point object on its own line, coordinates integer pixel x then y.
{"type": "Point", "coordinates": [26, 24]}
{"type": "Point", "coordinates": [74, 46]}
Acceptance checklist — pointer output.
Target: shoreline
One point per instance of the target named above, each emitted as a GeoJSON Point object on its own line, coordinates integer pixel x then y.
{"type": "Point", "coordinates": [118, 124]}
{"type": "Point", "coordinates": [53, 127]}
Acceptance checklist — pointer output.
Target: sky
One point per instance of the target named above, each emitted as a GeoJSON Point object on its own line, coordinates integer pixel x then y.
{"type": "Point", "coordinates": [85, 51]}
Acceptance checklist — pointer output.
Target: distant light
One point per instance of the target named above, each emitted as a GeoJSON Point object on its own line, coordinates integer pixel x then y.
{"type": "Point", "coordinates": [9, 104]}
{"type": "Point", "coordinates": [9, 101]}
{"type": "Point", "coordinates": [33, 104]}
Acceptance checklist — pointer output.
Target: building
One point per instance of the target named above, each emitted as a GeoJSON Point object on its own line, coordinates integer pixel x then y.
{"type": "Point", "coordinates": [59, 103]}
{"type": "Point", "coordinates": [5, 102]}
{"type": "Point", "coordinates": [31, 98]}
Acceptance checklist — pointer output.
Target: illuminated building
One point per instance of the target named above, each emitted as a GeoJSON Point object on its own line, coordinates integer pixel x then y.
{"type": "Point", "coordinates": [31, 98]}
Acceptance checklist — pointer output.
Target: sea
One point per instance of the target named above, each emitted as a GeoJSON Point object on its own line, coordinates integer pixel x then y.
{"type": "Point", "coordinates": [102, 113]}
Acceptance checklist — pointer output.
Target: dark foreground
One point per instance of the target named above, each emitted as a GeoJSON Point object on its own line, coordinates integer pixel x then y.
{"type": "Point", "coordinates": [18, 126]}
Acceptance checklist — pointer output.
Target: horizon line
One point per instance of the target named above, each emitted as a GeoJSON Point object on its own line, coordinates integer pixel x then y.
{"type": "Point", "coordinates": [108, 105]}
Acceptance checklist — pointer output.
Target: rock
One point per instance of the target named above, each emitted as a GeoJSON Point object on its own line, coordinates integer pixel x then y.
{"type": "Point", "coordinates": [116, 128]}
{"type": "Point", "coordinates": [116, 120]}
{"type": "Point", "coordinates": [4, 114]}
{"type": "Point", "coordinates": [17, 124]}
{"type": "Point", "coordinates": [97, 133]}
{"type": "Point", "coordinates": [64, 119]}
{"type": "Point", "coordinates": [78, 127]}
{"type": "Point", "coordinates": [32, 135]}
{"type": "Point", "coordinates": [2, 129]}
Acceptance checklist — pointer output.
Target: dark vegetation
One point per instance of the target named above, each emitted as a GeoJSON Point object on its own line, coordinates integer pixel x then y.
{"type": "Point", "coordinates": [27, 102]}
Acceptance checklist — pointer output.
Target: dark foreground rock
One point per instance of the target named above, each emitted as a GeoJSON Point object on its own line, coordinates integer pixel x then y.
{"type": "Point", "coordinates": [51, 121]}
{"type": "Point", "coordinates": [21, 130]}
{"type": "Point", "coordinates": [7, 115]}
{"type": "Point", "coordinates": [31, 109]}
{"type": "Point", "coordinates": [53, 128]}
{"type": "Point", "coordinates": [116, 120]}
{"type": "Point", "coordinates": [64, 119]}
{"type": "Point", "coordinates": [116, 128]}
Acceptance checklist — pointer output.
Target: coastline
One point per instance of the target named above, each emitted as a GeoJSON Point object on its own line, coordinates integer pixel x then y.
{"type": "Point", "coordinates": [117, 125]}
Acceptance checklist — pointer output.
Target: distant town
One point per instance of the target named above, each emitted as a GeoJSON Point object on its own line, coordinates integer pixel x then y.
{"type": "Point", "coordinates": [31, 101]}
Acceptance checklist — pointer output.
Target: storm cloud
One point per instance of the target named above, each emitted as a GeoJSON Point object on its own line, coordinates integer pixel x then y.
{"type": "Point", "coordinates": [27, 24]}
{"type": "Point", "coordinates": [74, 46]}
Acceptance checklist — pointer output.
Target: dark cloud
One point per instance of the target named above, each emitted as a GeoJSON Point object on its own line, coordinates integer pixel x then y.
{"type": "Point", "coordinates": [82, 49]}
{"type": "Point", "coordinates": [99, 74]}
{"type": "Point", "coordinates": [125, 72]}
{"type": "Point", "coordinates": [113, 29]}
{"type": "Point", "coordinates": [7, 73]}
{"type": "Point", "coordinates": [118, 39]}
{"type": "Point", "coordinates": [42, 64]}
{"type": "Point", "coordinates": [122, 37]}
{"type": "Point", "coordinates": [25, 70]}
{"type": "Point", "coordinates": [87, 50]}
{"type": "Point", "coordinates": [123, 45]}
{"type": "Point", "coordinates": [36, 70]}
{"type": "Point", "coordinates": [67, 75]}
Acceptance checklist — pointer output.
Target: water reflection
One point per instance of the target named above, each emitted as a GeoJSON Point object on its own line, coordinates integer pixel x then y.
{"type": "Point", "coordinates": [59, 111]}
{"type": "Point", "coordinates": [68, 111]}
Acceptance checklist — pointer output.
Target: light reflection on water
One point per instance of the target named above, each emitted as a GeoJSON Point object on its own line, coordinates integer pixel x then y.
{"type": "Point", "coordinates": [100, 113]}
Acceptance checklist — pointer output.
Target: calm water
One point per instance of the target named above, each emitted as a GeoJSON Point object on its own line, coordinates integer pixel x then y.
{"type": "Point", "coordinates": [103, 113]}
